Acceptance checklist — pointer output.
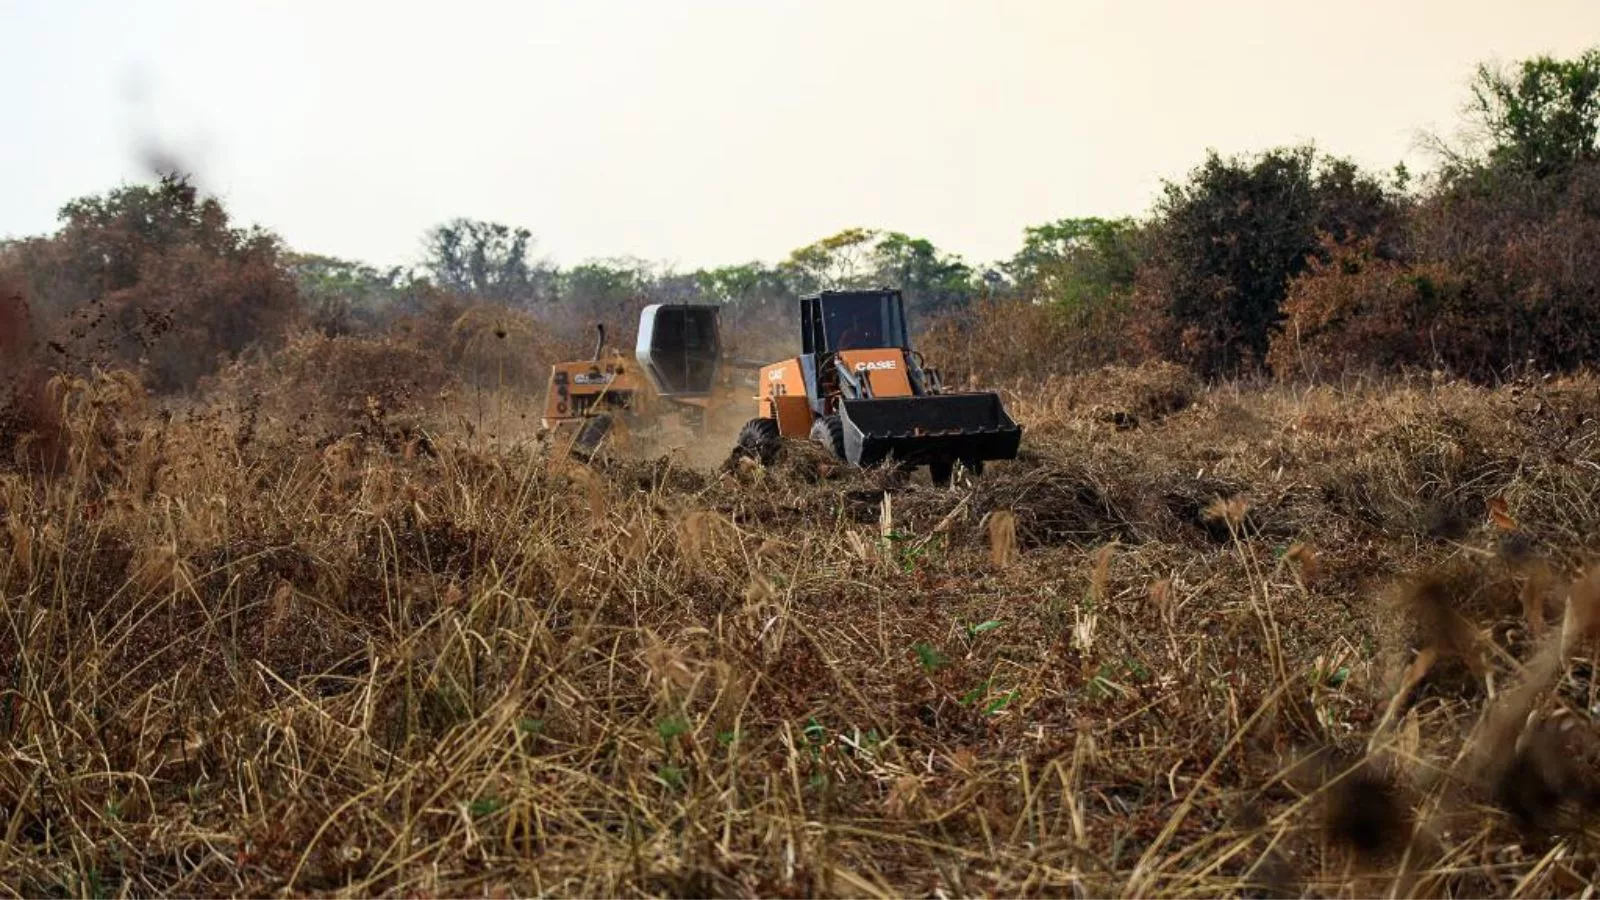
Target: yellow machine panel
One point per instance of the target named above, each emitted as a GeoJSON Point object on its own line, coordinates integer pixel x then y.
{"type": "Point", "coordinates": [781, 379]}
{"type": "Point", "coordinates": [884, 370]}
{"type": "Point", "coordinates": [783, 397]}
{"type": "Point", "coordinates": [578, 388]}
{"type": "Point", "coordinates": [793, 413]}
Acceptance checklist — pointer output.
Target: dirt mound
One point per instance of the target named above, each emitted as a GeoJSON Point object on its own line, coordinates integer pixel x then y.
{"type": "Point", "coordinates": [1131, 397]}
{"type": "Point", "coordinates": [1054, 503]}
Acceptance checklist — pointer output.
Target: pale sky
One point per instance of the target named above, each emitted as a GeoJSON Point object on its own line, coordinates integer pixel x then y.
{"type": "Point", "coordinates": [698, 133]}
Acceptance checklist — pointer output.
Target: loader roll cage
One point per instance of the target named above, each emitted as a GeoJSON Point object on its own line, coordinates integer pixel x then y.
{"type": "Point", "coordinates": [853, 320]}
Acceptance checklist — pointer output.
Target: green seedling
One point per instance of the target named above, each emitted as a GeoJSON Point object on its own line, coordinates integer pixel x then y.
{"type": "Point", "coordinates": [931, 659]}
{"type": "Point", "coordinates": [671, 776]}
{"type": "Point", "coordinates": [671, 727]}
{"type": "Point", "coordinates": [973, 695]}
{"type": "Point", "coordinates": [982, 627]}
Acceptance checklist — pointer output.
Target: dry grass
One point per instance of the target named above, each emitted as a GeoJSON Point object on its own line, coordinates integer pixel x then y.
{"type": "Point", "coordinates": [1236, 642]}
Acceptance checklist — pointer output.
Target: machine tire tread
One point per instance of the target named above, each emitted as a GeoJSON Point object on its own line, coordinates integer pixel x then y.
{"type": "Point", "coordinates": [829, 432]}
{"type": "Point", "coordinates": [759, 439]}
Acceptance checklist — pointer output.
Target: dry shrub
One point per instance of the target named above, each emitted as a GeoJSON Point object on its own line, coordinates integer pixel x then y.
{"type": "Point", "coordinates": [16, 331]}
{"type": "Point", "coordinates": [1355, 312]}
{"type": "Point", "coordinates": [322, 387]}
{"type": "Point", "coordinates": [1015, 341]}
{"type": "Point", "coordinates": [1128, 397]}
{"type": "Point", "coordinates": [1227, 243]}
{"type": "Point", "coordinates": [1524, 252]}
{"type": "Point", "coordinates": [1416, 460]}
{"type": "Point", "coordinates": [494, 346]}
{"type": "Point", "coordinates": [155, 276]}
{"type": "Point", "coordinates": [1050, 504]}
{"type": "Point", "coordinates": [30, 426]}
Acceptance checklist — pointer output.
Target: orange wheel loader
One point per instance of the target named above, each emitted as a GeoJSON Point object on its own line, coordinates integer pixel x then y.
{"type": "Point", "coordinates": [859, 389]}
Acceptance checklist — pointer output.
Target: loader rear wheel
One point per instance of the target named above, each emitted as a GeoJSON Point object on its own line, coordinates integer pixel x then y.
{"type": "Point", "coordinates": [829, 432]}
{"type": "Point", "coordinates": [759, 439]}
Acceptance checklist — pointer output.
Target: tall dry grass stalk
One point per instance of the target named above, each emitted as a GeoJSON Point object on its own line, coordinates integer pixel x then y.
{"type": "Point", "coordinates": [243, 655]}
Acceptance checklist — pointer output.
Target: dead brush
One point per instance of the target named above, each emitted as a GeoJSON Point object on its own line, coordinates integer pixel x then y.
{"type": "Point", "coordinates": [474, 671]}
{"type": "Point", "coordinates": [702, 532]}
{"type": "Point", "coordinates": [1002, 538]}
{"type": "Point", "coordinates": [1436, 605]}
{"type": "Point", "coordinates": [1366, 811]}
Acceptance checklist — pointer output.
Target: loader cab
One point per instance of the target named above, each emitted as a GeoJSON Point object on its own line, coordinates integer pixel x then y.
{"type": "Point", "coordinates": [679, 348]}
{"type": "Point", "coordinates": [853, 320]}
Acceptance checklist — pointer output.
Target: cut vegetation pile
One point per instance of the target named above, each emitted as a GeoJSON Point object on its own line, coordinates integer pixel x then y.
{"type": "Point", "coordinates": [1192, 643]}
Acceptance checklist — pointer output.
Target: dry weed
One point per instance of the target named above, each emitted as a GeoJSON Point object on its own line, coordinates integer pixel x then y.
{"type": "Point", "coordinates": [245, 656]}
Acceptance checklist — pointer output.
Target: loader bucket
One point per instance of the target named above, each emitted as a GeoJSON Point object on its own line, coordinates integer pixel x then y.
{"type": "Point", "coordinates": [932, 428]}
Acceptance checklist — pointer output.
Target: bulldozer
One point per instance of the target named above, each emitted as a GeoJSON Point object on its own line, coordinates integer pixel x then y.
{"type": "Point", "coordinates": [589, 394]}
{"type": "Point", "coordinates": [677, 373]}
{"type": "Point", "coordinates": [861, 390]}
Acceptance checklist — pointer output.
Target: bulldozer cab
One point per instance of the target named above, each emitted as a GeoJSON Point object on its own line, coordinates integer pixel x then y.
{"type": "Point", "coordinates": [679, 348]}
{"type": "Point", "coordinates": [853, 320]}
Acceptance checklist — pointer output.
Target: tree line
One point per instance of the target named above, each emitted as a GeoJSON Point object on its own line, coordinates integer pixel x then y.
{"type": "Point", "coordinates": [1302, 265]}
{"type": "Point", "coordinates": [1290, 262]}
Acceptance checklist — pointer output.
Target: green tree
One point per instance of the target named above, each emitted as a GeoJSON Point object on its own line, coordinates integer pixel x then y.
{"type": "Point", "coordinates": [758, 307]}
{"type": "Point", "coordinates": [340, 296]}
{"type": "Point", "coordinates": [837, 262]}
{"type": "Point", "coordinates": [603, 284]}
{"type": "Point", "coordinates": [1542, 116]}
{"type": "Point", "coordinates": [1076, 263]}
{"type": "Point", "coordinates": [609, 291]}
{"type": "Point", "coordinates": [933, 281]}
{"type": "Point", "coordinates": [743, 286]}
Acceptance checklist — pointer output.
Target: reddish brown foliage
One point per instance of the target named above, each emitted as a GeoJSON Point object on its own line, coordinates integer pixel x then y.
{"type": "Point", "coordinates": [1356, 312]}
{"type": "Point", "coordinates": [155, 276]}
{"type": "Point", "coordinates": [30, 430]}
{"type": "Point", "coordinates": [1528, 254]}
{"type": "Point", "coordinates": [15, 331]}
{"type": "Point", "coordinates": [1502, 277]}
{"type": "Point", "coordinates": [1227, 244]}
{"type": "Point", "coordinates": [1005, 341]}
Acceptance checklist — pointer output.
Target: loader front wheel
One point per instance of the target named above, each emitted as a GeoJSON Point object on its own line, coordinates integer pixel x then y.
{"type": "Point", "coordinates": [759, 439]}
{"type": "Point", "coordinates": [940, 472]}
{"type": "Point", "coordinates": [829, 432]}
